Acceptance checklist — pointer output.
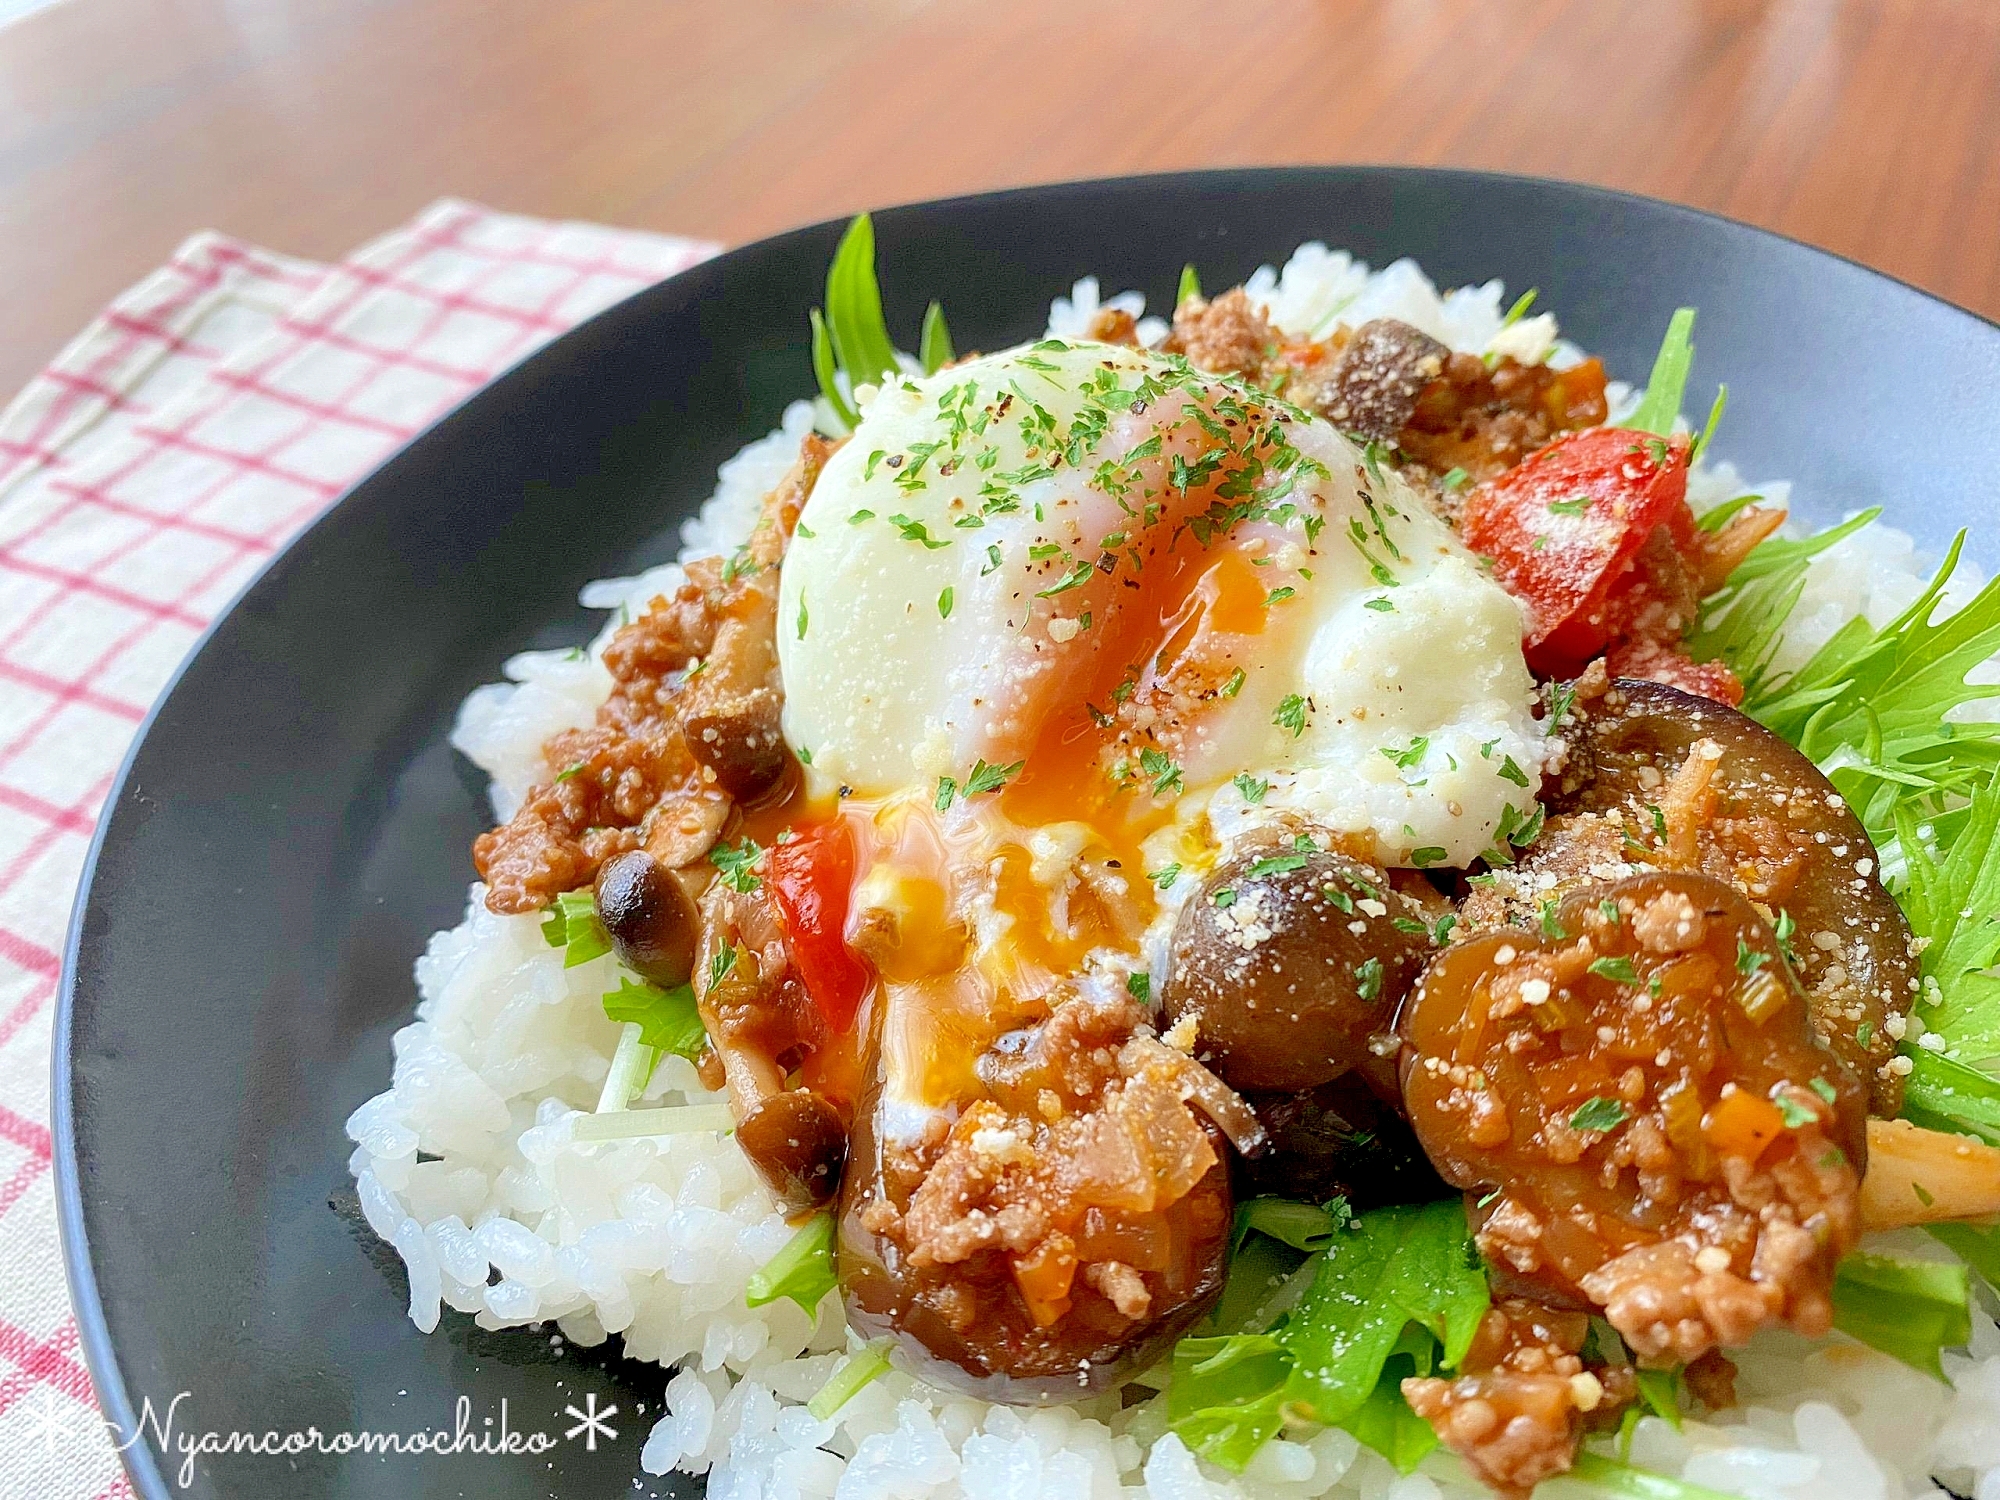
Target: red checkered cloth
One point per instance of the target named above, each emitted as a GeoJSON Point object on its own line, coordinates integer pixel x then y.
{"type": "Point", "coordinates": [188, 433]}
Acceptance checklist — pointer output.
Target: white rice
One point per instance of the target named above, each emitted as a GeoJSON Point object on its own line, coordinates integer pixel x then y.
{"type": "Point", "coordinates": [509, 1220]}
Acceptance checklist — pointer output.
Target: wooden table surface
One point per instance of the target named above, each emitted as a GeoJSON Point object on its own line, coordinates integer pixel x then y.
{"type": "Point", "coordinates": [1870, 127]}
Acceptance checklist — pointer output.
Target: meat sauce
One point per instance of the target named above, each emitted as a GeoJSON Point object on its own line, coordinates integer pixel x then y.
{"type": "Point", "coordinates": [1657, 778]}
{"type": "Point", "coordinates": [1632, 1098]}
{"type": "Point", "coordinates": [689, 731]}
{"type": "Point", "coordinates": [1647, 1061]}
{"type": "Point", "coordinates": [1507, 452]}
{"type": "Point", "coordinates": [1523, 1395]}
{"type": "Point", "coordinates": [1447, 414]}
{"type": "Point", "coordinates": [1071, 1223]}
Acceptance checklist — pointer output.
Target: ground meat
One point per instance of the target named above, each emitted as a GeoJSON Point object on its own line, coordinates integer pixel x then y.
{"type": "Point", "coordinates": [1657, 661]}
{"type": "Point", "coordinates": [1480, 421]}
{"type": "Point", "coordinates": [1711, 1380]}
{"type": "Point", "coordinates": [1230, 335]}
{"type": "Point", "coordinates": [1113, 325]}
{"type": "Point", "coordinates": [1067, 1225]}
{"type": "Point", "coordinates": [1522, 1396]}
{"type": "Point", "coordinates": [1654, 778]}
{"type": "Point", "coordinates": [1633, 1099]}
{"type": "Point", "coordinates": [690, 726]}
{"type": "Point", "coordinates": [1445, 414]}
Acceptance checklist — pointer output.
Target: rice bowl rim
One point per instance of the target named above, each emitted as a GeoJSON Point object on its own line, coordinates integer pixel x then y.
{"type": "Point", "coordinates": [110, 895]}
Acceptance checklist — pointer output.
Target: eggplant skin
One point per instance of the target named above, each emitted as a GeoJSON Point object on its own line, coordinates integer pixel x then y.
{"type": "Point", "coordinates": [953, 1300]}
{"type": "Point", "coordinates": [1340, 1140]}
{"type": "Point", "coordinates": [1001, 1355]}
{"type": "Point", "coordinates": [1780, 832]}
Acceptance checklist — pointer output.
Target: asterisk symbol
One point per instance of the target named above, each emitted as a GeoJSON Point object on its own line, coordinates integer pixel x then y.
{"type": "Point", "coordinates": [590, 1422]}
{"type": "Point", "coordinates": [51, 1421]}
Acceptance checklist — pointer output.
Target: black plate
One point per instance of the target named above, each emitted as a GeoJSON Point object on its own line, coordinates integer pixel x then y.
{"type": "Point", "coordinates": [292, 825]}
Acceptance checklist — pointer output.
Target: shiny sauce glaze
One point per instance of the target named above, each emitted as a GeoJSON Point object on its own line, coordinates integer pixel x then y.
{"type": "Point", "coordinates": [1633, 1101]}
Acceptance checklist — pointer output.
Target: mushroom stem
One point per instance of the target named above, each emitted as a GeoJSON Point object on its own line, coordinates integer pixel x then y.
{"type": "Point", "coordinates": [1919, 1176]}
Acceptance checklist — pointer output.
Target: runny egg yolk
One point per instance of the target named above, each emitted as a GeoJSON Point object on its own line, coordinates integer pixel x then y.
{"type": "Point", "coordinates": [1057, 607]}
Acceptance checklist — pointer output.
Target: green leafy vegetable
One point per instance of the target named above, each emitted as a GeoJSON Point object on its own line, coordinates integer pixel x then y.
{"type": "Point", "coordinates": [1227, 1398]}
{"type": "Point", "coordinates": [851, 338]}
{"type": "Point", "coordinates": [667, 1019]}
{"type": "Point", "coordinates": [1190, 285]}
{"type": "Point", "coordinates": [1660, 1390]}
{"type": "Point", "coordinates": [1908, 1308]}
{"type": "Point", "coordinates": [1742, 623]}
{"type": "Point", "coordinates": [720, 965]}
{"type": "Point", "coordinates": [824, 369]}
{"type": "Point", "coordinates": [1277, 864]}
{"type": "Point", "coordinates": [934, 349]}
{"type": "Point", "coordinates": [856, 1371]}
{"type": "Point", "coordinates": [738, 863]}
{"type": "Point", "coordinates": [1411, 755]}
{"type": "Point", "coordinates": [1166, 774]}
{"type": "Point", "coordinates": [631, 1066]}
{"type": "Point", "coordinates": [1303, 1226]}
{"type": "Point", "coordinates": [1623, 1482]}
{"type": "Point", "coordinates": [917, 531]}
{"type": "Point", "coordinates": [802, 1271]}
{"type": "Point", "coordinates": [1953, 903]}
{"type": "Point", "coordinates": [1400, 1265]}
{"type": "Point", "coordinates": [1870, 707]}
{"type": "Point", "coordinates": [1395, 1285]}
{"type": "Point", "coordinates": [1561, 696]}
{"type": "Point", "coordinates": [572, 925]}
{"type": "Point", "coordinates": [1978, 1245]}
{"type": "Point", "coordinates": [1384, 1421]}
{"type": "Point", "coordinates": [1598, 1114]}
{"type": "Point", "coordinates": [1664, 387]}
{"type": "Point", "coordinates": [1944, 1094]}
{"type": "Point", "coordinates": [985, 778]}
{"type": "Point", "coordinates": [854, 307]}
{"type": "Point", "coordinates": [1368, 979]}
{"type": "Point", "coordinates": [1520, 308]}
{"type": "Point", "coordinates": [1714, 420]}
{"type": "Point", "coordinates": [1716, 517]}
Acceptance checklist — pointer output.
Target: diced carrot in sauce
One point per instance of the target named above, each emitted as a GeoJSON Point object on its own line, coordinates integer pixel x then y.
{"type": "Point", "coordinates": [1741, 1124]}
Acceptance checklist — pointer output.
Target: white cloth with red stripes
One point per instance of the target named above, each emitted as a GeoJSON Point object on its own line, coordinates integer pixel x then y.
{"type": "Point", "coordinates": [187, 434]}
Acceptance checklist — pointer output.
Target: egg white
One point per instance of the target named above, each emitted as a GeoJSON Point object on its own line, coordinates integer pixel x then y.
{"type": "Point", "coordinates": [924, 629]}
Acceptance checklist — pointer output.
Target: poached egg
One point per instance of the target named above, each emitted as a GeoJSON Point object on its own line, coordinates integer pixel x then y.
{"type": "Point", "coordinates": [1060, 623]}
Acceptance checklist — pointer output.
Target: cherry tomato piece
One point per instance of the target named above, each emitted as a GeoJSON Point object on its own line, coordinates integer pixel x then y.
{"type": "Point", "coordinates": [1564, 526]}
{"type": "Point", "coordinates": [812, 878]}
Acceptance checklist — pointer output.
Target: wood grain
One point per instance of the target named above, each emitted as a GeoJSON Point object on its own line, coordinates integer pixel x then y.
{"type": "Point", "coordinates": [1871, 128]}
